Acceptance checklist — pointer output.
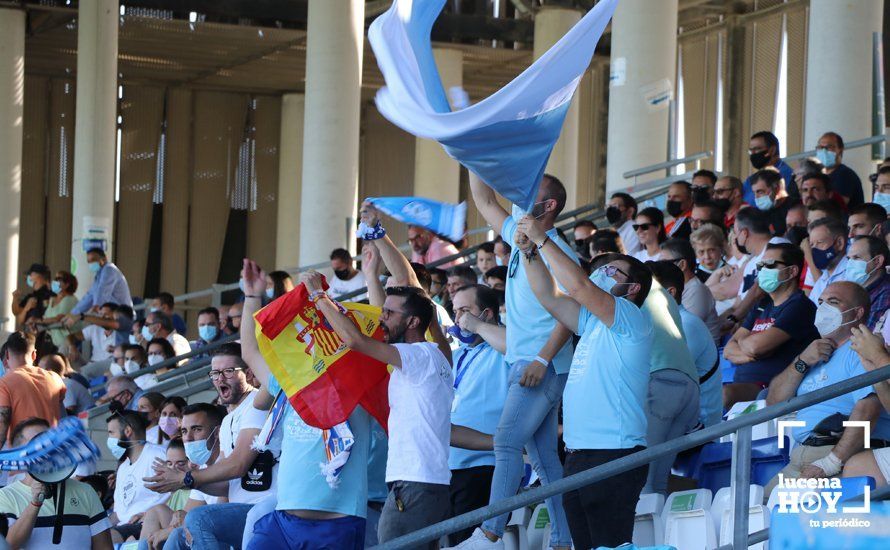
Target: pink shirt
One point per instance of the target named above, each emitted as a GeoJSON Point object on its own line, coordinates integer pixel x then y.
{"type": "Point", "coordinates": [438, 249]}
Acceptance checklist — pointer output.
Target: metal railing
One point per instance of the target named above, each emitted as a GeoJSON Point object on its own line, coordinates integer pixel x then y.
{"type": "Point", "coordinates": [696, 158]}
{"type": "Point", "coordinates": [848, 145]}
{"type": "Point", "coordinates": [740, 466]}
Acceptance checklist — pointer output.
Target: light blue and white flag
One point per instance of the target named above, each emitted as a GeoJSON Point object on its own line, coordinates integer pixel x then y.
{"type": "Point", "coordinates": [506, 138]}
{"type": "Point", "coordinates": [442, 218]}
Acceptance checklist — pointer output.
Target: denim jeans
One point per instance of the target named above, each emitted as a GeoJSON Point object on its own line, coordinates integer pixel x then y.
{"type": "Point", "coordinates": [672, 410]}
{"type": "Point", "coordinates": [529, 420]}
{"type": "Point", "coordinates": [216, 526]}
{"type": "Point", "coordinates": [260, 509]}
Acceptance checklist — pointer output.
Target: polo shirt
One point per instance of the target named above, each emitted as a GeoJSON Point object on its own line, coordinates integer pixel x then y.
{"type": "Point", "coordinates": [827, 278]}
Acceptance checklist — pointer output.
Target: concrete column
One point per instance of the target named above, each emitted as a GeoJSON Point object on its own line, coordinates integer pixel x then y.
{"type": "Point", "coordinates": [12, 99]}
{"type": "Point", "coordinates": [95, 133]}
{"type": "Point", "coordinates": [290, 173]}
{"type": "Point", "coordinates": [551, 23]}
{"type": "Point", "coordinates": [642, 79]}
{"type": "Point", "coordinates": [839, 75]}
{"type": "Point", "coordinates": [436, 175]}
{"type": "Point", "coordinates": [333, 113]}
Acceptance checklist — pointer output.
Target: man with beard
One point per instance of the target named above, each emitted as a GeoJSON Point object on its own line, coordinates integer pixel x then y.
{"type": "Point", "coordinates": [679, 207]}
{"type": "Point", "coordinates": [223, 524]}
{"type": "Point", "coordinates": [621, 213]}
{"type": "Point", "coordinates": [420, 391]}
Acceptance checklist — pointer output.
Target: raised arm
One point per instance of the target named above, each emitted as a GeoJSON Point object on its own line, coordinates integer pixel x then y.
{"type": "Point", "coordinates": [561, 307]}
{"type": "Point", "coordinates": [345, 328]}
{"type": "Point", "coordinates": [570, 275]}
{"type": "Point", "coordinates": [254, 288]}
{"type": "Point", "coordinates": [393, 259]}
{"type": "Point", "coordinates": [371, 270]}
{"type": "Point", "coordinates": [487, 203]}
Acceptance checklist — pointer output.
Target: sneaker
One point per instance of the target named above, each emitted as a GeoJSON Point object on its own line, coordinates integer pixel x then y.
{"type": "Point", "coordinates": [478, 541]}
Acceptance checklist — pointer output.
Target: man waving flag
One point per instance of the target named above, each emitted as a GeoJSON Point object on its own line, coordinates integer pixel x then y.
{"type": "Point", "coordinates": [506, 138]}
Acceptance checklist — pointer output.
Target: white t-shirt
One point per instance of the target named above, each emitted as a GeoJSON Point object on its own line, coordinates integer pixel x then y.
{"type": "Point", "coordinates": [195, 494]}
{"type": "Point", "coordinates": [179, 343]}
{"type": "Point", "coordinates": [629, 237]}
{"type": "Point", "coordinates": [339, 287]}
{"type": "Point", "coordinates": [99, 342]}
{"type": "Point", "coordinates": [131, 497]}
{"type": "Point", "coordinates": [644, 256]}
{"type": "Point", "coordinates": [420, 394]}
{"type": "Point", "coordinates": [244, 417]}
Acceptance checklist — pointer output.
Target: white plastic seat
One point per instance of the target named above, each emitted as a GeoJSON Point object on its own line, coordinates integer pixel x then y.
{"type": "Point", "coordinates": [758, 520]}
{"type": "Point", "coordinates": [687, 520]}
{"type": "Point", "coordinates": [538, 531]}
{"type": "Point", "coordinates": [758, 431]}
{"type": "Point", "coordinates": [515, 537]}
{"type": "Point", "coordinates": [723, 501]}
{"type": "Point", "coordinates": [648, 524]}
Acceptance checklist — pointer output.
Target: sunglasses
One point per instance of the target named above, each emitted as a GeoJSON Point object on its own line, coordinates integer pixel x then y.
{"type": "Point", "coordinates": [642, 226]}
{"type": "Point", "coordinates": [769, 264]}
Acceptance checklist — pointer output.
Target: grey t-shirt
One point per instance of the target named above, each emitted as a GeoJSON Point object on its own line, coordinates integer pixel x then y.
{"type": "Point", "coordinates": [698, 300]}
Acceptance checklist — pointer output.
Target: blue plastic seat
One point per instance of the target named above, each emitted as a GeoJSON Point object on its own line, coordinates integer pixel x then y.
{"type": "Point", "coordinates": [852, 487]}
{"type": "Point", "coordinates": [767, 459]}
{"type": "Point", "coordinates": [686, 463]}
{"type": "Point", "coordinates": [715, 464]}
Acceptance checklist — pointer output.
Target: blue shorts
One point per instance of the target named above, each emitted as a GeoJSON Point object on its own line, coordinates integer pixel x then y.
{"type": "Point", "coordinates": [285, 531]}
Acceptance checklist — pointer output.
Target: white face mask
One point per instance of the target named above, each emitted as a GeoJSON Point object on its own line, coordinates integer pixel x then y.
{"type": "Point", "coordinates": [829, 319]}
{"type": "Point", "coordinates": [154, 358]}
{"type": "Point", "coordinates": [116, 370]}
{"type": "Point", "coordinates": [131, 366]}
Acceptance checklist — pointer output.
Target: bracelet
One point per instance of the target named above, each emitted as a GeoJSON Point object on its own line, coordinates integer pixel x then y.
{"type": "Point", "coordinates": [316, 295]}
{"type": "Point", "coordinates": [36, 504]}
{"type": "Point", "coordinates": [530, 254]}
{"type": "Point", "coordinates": [544, 242]}
{"type": "Point", "coordinates": [251, 296]}
{"type": "Point", "coordinates": [541, 360]}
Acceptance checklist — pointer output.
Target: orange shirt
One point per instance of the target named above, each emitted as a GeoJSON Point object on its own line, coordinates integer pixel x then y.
{"type": "Point", "coordinates": [31, 391]}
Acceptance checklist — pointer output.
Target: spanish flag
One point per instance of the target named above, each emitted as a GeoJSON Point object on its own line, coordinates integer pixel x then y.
{"type": "Point", "coordinates": [323, 379]}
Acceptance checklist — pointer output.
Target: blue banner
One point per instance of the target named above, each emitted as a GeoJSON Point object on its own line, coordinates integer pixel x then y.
{"type": "Point", "coordinates": [442, 218]}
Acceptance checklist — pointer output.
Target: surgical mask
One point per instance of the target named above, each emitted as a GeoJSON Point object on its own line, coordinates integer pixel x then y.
{"type": "Point", "coordinates": [146, 334]}
{"type": "Point", "coordinates": [116, 369]}
{"type": "Point", "coordinates": [857, 271]}
{"type": "Point", "coordinates": [518, 213]}
{"type": "Point", "coordinates": [598, 277]}
{"type": "Point", "coordinates": [464, 336]}
{"type": "Point", "coordinates": [56, 287]}
{"type": "Point", "coordinates": [241, 286]}
{"type": "Point", "coordinates": [154, 309]}
{"type": "Point", "coordinates": [768, 279]}
{"type": "Point", "coordinates": [154, 359]}
{"type": "Point", "coordinates": [826, 157]}
{"type": "Point", "coordinates": [613, 215]}
{"type": "Point", "coordinates": [829, 318]}
{"type": "Point", "coordinates": [764, 202]}
{"type": "Point", "coordinates": [270, 292]}
{"type": "Point", "coordinates": [341, 274]}
{"type": "Point", "coordinates": [882, 199]}
{"type": "Point", "coordinates": [114, 445]}
{"type": "Point", "coordinates": [674, 208]}
{"type": "Point", "coordinates": [133, 340]}
{"type": "Point", "coordinates": [130, 366]}
{"type": "Point", "coordinates": [169, 425]}
{"type": "Point", "coordinates": [821, 258]}
{"type": "Point", "coordinates": [498, 261]}
{"type": "Point", "coordinates": [759, 160]}
{"type": "Point", "coordinates": [94, 266]}
{"type": "Point", "coordinates": [207, 332]}
{"type": "Point", "coordinates": [29, 281]}
{"type": "Point", "coordinates": [197, 451]}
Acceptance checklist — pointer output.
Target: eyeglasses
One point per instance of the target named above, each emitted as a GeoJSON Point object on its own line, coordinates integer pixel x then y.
{"type": "Point", "coordinates": [225, 373]}
{"type": "Point", "coordinates": [642, 226]}
{"type": "Point", "coordinates": [610, 270]}
{"type": "Point", "coordinates": [718, 192]}
{"type": "Point", "coordinates": [769, 264]}
{"type": "Point", "coordinates": [387, 312]}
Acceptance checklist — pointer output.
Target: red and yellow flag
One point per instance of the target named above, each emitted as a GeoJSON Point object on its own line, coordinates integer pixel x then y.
{"type": "Point", "coordinates": [323, 379]}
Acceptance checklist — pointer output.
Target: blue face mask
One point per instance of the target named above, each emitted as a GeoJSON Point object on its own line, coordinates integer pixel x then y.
{"type": "Point", "coordinates": [133, 340]}
{"type": "Point", "coordinates": [56, 287]}
{"type": "Point", "coordinates": [94, 266]}
{"type": "Point", "coordinates": [768, 279]}
{"type": "Point", "coordinates": [270, 293]}
{"type": "Point", "coordinates": [146, 334]}
{"type": "Point", "coordinates": [857, 271]}
{"type": "Point", "coordinates": [207, 332]}
{"type": "Point", "coordinates": [29, 281]}
{"type": "Point", "coordinates": [241, 286]}
{"type": "Point", "coordinates": [882, 199]}
{"type": "Point", "coordinates": [826, 157]}
{"type": "Point", "coordinates": [821, 258]}
{"type": "Point", "coordinates": [113, 444]}
{"type": "Point", "coordinates": [764, 202]}
{"type": "Point", "coordinates": [599, 278]}
{"type": "Point", "coordinates": [464, 336]}
{"type": "Point", "coordinates": [197, 451]}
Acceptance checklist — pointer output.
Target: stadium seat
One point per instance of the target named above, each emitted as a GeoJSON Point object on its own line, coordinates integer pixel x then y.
{"type": "Point", "coordinates": [538, 531]}
{"type": "Point", "coordinates": [767, 459]}
{"type": "Point", "coordinates": [687, 520]}
{"type": "Point", "coordinates": [686, 462]}
{"type": "Point", "coordinates": [758, 520]}
{"type": "Point", "coordinates": [714, 470]}
{"type": "Point", "coordinates": [758, 431]}
{"type": "Point", "coordinates": [796, 532]}
{"type": "Point", "coordinates": [723, 501]}
{"type": "Point", "coordinates": [852, 487]}
{"type": "Point", "coordinates": [648, 524]}
{"type": "Point", "coordinates": [515, 532]}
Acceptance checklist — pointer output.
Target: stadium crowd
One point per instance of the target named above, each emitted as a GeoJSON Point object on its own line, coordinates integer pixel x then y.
{"type": "Point", "coordinates": [563, 351]}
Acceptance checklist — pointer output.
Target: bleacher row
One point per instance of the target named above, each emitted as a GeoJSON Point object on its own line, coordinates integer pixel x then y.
{"type": "Point", "coordinates": [696, 519]}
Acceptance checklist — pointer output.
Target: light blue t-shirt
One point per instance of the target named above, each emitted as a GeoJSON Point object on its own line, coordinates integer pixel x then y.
{"type": "Point", "coordinates": [843, 365]}
{"type": "Point", "coordinates": [528, 323]}
{"type": "Point", "coordinates": [704, 353]}
{"type": "Point", "coordinates": [480, 388]}
{"type": "Point", "coordinates": [377, 490]}
{"type": "Point", "coordinates": [301, 483]}
{"type": "Point", "coordinates": [839, 274]}
{"type": "Point", "coordinates": [669, 349]}
{"type": "Point", "coordinates": [605, 396]}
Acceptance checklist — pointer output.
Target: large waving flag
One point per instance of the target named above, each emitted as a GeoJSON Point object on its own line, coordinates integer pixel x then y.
{"type": "Point", "coordinates": [322, 378]}
{"type": "Point", "coordinates": [506, 138]}
{"type": "Point", "coordinates": [442, 218]}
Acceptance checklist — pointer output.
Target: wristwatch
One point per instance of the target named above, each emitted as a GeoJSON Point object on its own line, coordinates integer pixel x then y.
{"type": "Point", "coordinates": [801, 366]}
{"type": "Point", "coordinates": [188, 481]}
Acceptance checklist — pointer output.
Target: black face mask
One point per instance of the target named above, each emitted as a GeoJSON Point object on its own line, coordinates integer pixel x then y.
{"type": "Point", "coordinates": [701, 194]}
{"type": "Point", "coordinates": [740, 247]}
{"type": "Point", "coordinates": [613, 215]}
{"type": "Point", "coordinates": [675, 208]}
{"type": "Point", "coordinates": [342, 274]}
{"type": "Point", "coordinates": [230, 326]}
{"type": "Point", "coordinates": [796, 234]}
{"type": "Point", "coordinates": [723, 204]}
{"type": "Point", "coordinates": [759, 160]}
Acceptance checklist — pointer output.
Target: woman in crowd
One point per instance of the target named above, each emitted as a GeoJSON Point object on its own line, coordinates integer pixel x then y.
{"type": "Point", "coordinates": [160, 349]}
{"type": "Point", "coordinates": [170, 419]}
{"type": "Point", "coordinates": [158, 522]}
{"type": "Point", "coordinates": [278, 283]}
{"type": "Point", "coordinates": [709, 243]}
{"type": "Point", "coordinates": [649, 228]}
{"type": "Point", "coordinates": [149, 406]}
{"type": "Point", "coordinates": [64, 285]}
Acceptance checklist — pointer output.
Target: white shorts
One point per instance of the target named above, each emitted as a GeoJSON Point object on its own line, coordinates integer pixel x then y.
{"type": "Point", "coordinates": [882, 457]}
